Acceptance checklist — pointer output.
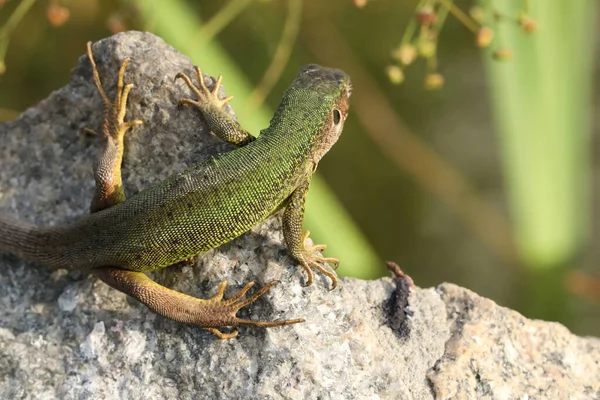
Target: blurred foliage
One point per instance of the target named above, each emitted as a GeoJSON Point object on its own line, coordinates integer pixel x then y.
{"type": "Point", "coordinates": [541, 102]}
{"type": "Point", "coordinates": [419, 172]}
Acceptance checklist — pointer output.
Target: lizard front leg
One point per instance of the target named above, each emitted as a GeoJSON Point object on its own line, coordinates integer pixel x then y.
{"type": "Point", "coordinates": [208, 102]}
{"type": "Point", "coordinates": [293, 217]}
{"type": "Point", "coordinates": [107, 170]}
{"type": "Point", "coordinates": [210, 314]}
{"type": "Point", "coordinates": [211, 107]}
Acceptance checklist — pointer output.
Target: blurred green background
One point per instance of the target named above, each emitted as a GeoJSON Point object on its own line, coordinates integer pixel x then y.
{"type": "Point", "coordinates": [486, 182]}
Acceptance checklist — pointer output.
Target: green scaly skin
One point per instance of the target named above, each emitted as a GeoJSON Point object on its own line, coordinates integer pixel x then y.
{"type": "Point", "coordinates": [201, 208]}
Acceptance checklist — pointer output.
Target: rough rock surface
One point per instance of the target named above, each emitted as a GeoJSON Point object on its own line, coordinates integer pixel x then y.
{"type": "Point", "coordinates": [69, 336]}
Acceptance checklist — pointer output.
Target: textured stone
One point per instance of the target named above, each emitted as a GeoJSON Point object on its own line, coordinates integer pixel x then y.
{"type": "Point", "coordinates": [496, 353]}
{"type": "Point", "coordinates": [69, 336]}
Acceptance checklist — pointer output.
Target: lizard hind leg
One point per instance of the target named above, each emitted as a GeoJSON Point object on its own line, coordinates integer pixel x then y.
{"type": "Point", "coordinates": [107, 170]}
{"type": "Point", "coordinates": [210, 314]}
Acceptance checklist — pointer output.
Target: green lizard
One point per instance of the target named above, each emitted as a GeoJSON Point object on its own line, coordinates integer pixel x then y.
{"type": "Point", "coordinates": [207, 205]}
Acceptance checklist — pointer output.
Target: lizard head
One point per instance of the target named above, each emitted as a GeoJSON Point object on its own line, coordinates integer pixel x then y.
{"type": "Point", "coordinates": [332, 87]}
{"type": "Point", "coordinates": [315, 106]}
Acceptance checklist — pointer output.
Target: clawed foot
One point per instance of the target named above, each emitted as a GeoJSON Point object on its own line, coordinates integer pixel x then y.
{"type": "Point", "coordinates": [203, 95]}
{"type": "Point", "coordinates": [223, 312]}
{"type": "Point", "coordinates": [114, 125]}
{"type": "Point", "coordinates": [309, 259]}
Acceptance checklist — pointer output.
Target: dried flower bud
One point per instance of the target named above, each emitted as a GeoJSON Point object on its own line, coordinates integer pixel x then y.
{"type": "Point", "coordinates": [57, 15]}
{"type": "Point", "coordinates": [426, 15]}
{"type": "Point", "coordinates": [360, 3]}
{"type": "Point", "coordinates": [484, 37]}
{"type": "Point", "coordinates": [503, 54]}
{"type": "Point", "coordinates": [528, 24]}
{"type": "Point", "coordinates": [434, 81]}
{"type": "Point", "coordinates": [395, 74]}
{"type": "Point", "coordinates": [115, 24]}
{"type": "Point", "coordinates": [405, 54]}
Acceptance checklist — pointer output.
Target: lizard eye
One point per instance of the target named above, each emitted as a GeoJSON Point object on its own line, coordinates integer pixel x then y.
{"type": "Point", "coordinates": [337, 117]}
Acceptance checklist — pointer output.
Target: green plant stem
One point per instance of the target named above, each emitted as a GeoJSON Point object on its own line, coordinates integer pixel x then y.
{"type": "Point", "coordinates": [16, 17]}
{"type": "Point", "coordinates": [460, 15]}
{"type": "Point", "coordinates": [220, 20]}
{"type": "Point", "coordinates": [280, 58]}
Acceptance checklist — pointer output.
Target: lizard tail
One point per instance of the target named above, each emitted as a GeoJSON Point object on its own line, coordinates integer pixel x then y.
{"type": "Point", "coordinates": [39, 245]}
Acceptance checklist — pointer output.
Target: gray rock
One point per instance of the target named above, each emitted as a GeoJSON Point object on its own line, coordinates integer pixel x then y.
{"type": "Point", "coordinates": [69, 336]}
